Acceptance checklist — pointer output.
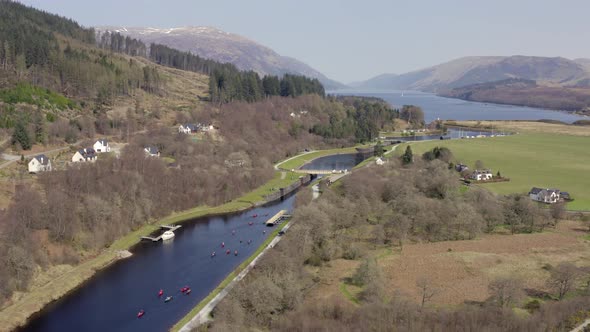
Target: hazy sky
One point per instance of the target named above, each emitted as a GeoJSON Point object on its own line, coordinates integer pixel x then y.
{"type": "Point", "coordinates": [358, 39]}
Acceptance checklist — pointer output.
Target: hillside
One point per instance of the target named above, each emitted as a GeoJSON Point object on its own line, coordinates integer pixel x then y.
{"type": "Point", "coordinates": [225, 47]}
{"type": "Point", "coordinates": [525, 93]}
{"type": "Point", "coordinates": [482, 69]}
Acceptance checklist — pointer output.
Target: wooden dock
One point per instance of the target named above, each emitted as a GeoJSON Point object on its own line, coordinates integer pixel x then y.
{"type": "Point", "coordinates": [171, 228]}
{"type": "Point", "coordinates": [277, 218]}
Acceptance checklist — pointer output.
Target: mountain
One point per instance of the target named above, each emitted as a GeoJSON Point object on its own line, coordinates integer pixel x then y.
{"type": "Point", "coordinates": [481, 69]}
{"type": "Point", "coordinates": [517, 91]}
{"type": "Point", "coordinates": [225, 47]}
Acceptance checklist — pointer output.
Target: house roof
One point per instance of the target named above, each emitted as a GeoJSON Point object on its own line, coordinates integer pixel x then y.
{"type": "Point", "coordinates": [152, 149]}
{"type": "Point", "coordinates": [103, 141]}
{"type": "Point", "coordinates": [42, 159]}
{"type": "Point", "coordinates": [191, 126]}
{"type": "Point", "coordinates": [535, 190]}
{"type": "Point", "coordinates": [87, 153]}
{"type": "Point", "coordinates": [486, 171]}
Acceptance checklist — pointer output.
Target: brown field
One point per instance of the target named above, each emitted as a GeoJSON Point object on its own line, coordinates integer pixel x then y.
{"type": "Point", "coordinates": [462, 270]}
{"type": "Point", "coordinates": [527, 126]}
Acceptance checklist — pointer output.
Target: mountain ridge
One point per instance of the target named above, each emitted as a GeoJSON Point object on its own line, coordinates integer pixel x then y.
{"type": "Point", "coordinates": [222, 46]}
{"type": "Point", "coordinates": [481, 69]}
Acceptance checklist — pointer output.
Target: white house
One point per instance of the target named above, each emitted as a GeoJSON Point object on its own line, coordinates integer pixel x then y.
{"type": "Point", "coordinates": [482, 175]}
{"type": "Point", "coordinates": [548, 196]}
{"type": "Point", "coordinates": [87, 154]}
{"type": "Point", "coordinates": [205, 127]}
{"type": "Point", "coordinates": [187, 128]}
{"type": "Point", "coordinates": [39, 163]}
{"type": "Point", "coordinates": [379, 161]}
{"type": "Point", "coordinates": [152, 151]}
{"type": "Point", "coordinates": [102, 145]}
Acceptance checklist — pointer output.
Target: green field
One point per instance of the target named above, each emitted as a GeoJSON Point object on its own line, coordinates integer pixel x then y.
{"type": "Point", "coordinates": [529, 160]}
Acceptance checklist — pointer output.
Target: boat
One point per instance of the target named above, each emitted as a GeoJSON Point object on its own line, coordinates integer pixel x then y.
{"type": "Point", "coordinates": [160, 293]}
{"type": "Point", "coordinates": [222, 244]}
{"type": "Point", "coordinates": [184, 289]}
{"type": "Point", "coordinates": [250, 223]}
{"type": "Point", "coordinates": [235, 253]}
{"type": "Point", "coordinates": [167, 235]}
{"type": "Point", "coordinates": [188, 291]}
{"type": "Point", "coordinates": [213, 254]}
{"type": "Point", "coordinates": [227, 252]}
{"type": "Point", "coordinates": [254, 215]}
{"type": "Point", "coordinates": [168, 299]}
{"type": "Point", "coordinates": [140, 313]}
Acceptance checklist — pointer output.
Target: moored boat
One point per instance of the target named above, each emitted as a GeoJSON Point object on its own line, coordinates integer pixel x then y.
{"type": "Point", "coordinates": [140, 313]}
{"type": "Point", "coordinates": [167, 235]}
{"type": "Point", "coordinates": [168, 299]}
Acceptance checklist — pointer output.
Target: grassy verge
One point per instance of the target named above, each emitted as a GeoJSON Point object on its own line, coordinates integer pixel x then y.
{"type": "Point", "coordinates": [544, 160]}
{"type": "Point", "coordinates": [344, 290]}
{"type": "Point", "coordinates": [227, 280]}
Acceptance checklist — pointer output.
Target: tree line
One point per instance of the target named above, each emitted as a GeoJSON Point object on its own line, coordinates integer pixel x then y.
{"type": "Point", "coordinates": [391, 206]}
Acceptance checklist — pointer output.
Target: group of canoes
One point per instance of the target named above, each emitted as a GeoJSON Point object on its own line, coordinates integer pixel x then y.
{"type": "Point", "coordinates": [185, 290]}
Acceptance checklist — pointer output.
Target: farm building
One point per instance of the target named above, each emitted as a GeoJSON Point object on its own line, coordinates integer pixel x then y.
{"type": "Point", "coordinates": [482, 175]}
{"type": "Point", "coordinates": [102, 145]}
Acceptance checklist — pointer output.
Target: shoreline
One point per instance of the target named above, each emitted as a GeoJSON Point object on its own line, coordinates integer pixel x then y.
{"type": "Point", "coordinates": [31, 303]}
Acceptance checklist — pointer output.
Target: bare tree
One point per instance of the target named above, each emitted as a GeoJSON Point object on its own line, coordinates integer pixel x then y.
{"type": "Point", "coordinates": [479, 164]}
{"type": "Point", "coordinates": [563, 278]}
{"type": "Point", "coordinates": [558, 211]}
{"type": "Point", "coordinates": [505, 291]}
{"type": "Point", "coordinates": [426, 289]}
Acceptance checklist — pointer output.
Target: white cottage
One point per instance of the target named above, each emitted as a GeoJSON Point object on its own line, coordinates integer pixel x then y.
{"type": "Point", "coordinates": [82, 155]}
{"type": "Point", "coordinates": [39, 163]}
{"type": "Point", "coordinates": [548, 196]}
{"type": "Point", "coordinates": [482, 175]}
{"type": "Point", "coordinates": [187, 128]}
{"type": "Point", "coordinates": [152, 151]}
{"type": "Point", "coordinates": [102, 145]}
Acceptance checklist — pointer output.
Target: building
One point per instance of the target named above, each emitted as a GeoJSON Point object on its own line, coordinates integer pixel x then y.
{"type": "Point", "coordinates": [152, 151]}
{"type": "Point", "coordinates": [548, 196]}
{"type": "Point", "coordinates": [460, 168]}
{"type": "Point", "coordinates": [205, 127]}
{"type": "Point", "coordinates": [481, 175]}
{"type": "Point", "coordinates": [82, 155]}
{"type": "Point", "coordinates": [187, 128]}
{"type": "Point", "coordinates": [379, 161]}
{"type": "Point", "coordinates": [102, 145]}
{"type": "Point", "coordinates": [39, 163]}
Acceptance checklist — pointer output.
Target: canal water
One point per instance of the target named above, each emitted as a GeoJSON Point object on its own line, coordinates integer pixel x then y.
{"type": "Point", "coordinates": [456, 109]}
{"type": "Point", "coordinates": [337, 162]}
{"type": "Point", "coordinates": [111, 299]}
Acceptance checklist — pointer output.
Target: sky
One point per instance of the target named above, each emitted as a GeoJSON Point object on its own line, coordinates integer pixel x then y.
{"type": "Point", "coordinates": [355, 40]}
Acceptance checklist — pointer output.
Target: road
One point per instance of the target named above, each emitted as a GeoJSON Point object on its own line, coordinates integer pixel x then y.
{"type": "Point", "coordinates": [11, 158]}
{"type": "Point", "coordinates": [203, 316]}
{"type": "Point", "coordinates": [581, 327]}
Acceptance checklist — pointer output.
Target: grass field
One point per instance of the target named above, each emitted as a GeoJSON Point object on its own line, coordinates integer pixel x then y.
{"type": "Point", "coordinates": [529, 160]}
{"type": "Point", "coordinates": [460, 271]}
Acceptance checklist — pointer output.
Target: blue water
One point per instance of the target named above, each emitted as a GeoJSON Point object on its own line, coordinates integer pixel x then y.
{"type": "Point", "coordinates": [455, 109]}
{"type": "Point", "coordinates": [338, 162]}
{"type": "Point", "coordinates": [111, 299]}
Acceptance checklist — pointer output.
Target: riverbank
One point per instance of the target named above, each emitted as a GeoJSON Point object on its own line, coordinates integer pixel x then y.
{"type": "Point", "coordinates": [200, 313]}
{"type": "Point", "coordinates": [51, 286]}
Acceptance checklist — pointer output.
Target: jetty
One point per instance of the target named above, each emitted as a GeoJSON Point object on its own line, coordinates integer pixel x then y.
{"type": "Point", "coordinates": [171, 228]}
{"type": "Point", "coordinates": [278, 218]}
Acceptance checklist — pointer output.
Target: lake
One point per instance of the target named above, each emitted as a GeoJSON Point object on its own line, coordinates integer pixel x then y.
{"type": "Point", "coordinates": [455, 109]}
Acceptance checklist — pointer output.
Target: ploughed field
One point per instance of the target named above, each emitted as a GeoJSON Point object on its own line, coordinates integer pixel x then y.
{"type": "Point", "coordinates": [529, 160]}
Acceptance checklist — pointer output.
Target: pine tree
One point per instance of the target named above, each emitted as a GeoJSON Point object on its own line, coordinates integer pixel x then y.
{"type": "Point", "coordinates": [408, 156]}
{"type": "Point", "coordinates": [39, 126]}
{"type": "Point", "coordinates": [21, 136]}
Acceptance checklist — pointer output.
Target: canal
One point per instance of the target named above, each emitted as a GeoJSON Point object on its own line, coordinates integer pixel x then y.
{"type": "Point", "coordinates": [111, 299]}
